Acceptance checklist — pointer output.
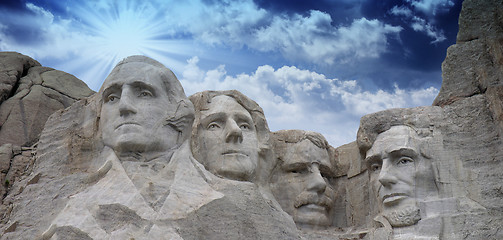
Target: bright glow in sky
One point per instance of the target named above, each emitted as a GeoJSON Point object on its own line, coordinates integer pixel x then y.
{"type": "Point", "coordinates": [313, 65]}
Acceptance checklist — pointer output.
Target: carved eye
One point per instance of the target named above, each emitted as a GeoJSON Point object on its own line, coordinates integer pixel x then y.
{"type": "Point", "coordinates": [244, 126]}
{"type": "Point", "coordinates": [299, 171]}
{"type": "Point", "coordinates": [404, 161]}
{"type": "Point", "coordinates": [213, 125]}
{"type": "Point", "coordinates": [326, 175]}
{"type": "Point", "coordinates": [145, 93]}
{"type": "Point", "coordinates": [375, 167]}
{"type": "Point", "coordinates": [112, 98]}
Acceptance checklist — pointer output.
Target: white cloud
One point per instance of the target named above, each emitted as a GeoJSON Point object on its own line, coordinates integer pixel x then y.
{"type": "Point", "coordinates": [40, 11]}
{"type": "Point", "coordinates": [52, 37]}
{"type": "Point", "coordinates": [293, 98]}
{"type": "Point", "coordinates": [401, 11]}
{"type": "Point", "coordinates": [311, 38]}
{"type": "Point", "coordinates": [146, 28]}
{"type": "Point", "coordinates": [222, 22]}
{"type": "Point", "coordinates": [367, 102]}
{"type": "Point", "coordinates": [420, 25]}
{"type": "Point", "coordinates": [432, 7]}
{"type": "Point", "coordinates": [366, 38]}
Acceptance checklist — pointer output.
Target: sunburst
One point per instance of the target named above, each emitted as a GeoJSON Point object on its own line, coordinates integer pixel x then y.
{"type": "Point", "coordinates": [115, 30]}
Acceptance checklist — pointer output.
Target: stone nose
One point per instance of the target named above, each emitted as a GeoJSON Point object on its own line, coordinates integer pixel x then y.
{"type": "Point", "coordinates": [387, 176]}
{"type": "Point", "coordinates": [233, 133]}
{"type": "Point", "coordinates": [316, 182]}
{"type": "Point", "coordinates": [126, 104]}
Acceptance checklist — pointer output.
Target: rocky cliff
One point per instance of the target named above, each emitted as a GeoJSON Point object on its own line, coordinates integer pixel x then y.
{"type": "Point", "coordinates": [431, 172]}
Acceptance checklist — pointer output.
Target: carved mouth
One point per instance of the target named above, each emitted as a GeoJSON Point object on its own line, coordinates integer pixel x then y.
{"type": "Point", "coordinates": [393, 198]}
{"type": "Point", "coordinates": [126, 123]}
{"type": "Point", "coordinates": [313, 201]}
{"type": "Point", "coordinates": [313, 207]}
{"type": "Point", "coordinates": [234, 152]}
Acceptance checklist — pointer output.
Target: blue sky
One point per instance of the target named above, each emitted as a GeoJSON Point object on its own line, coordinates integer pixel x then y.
{"type": "Point", "coordinates": [313, 65]}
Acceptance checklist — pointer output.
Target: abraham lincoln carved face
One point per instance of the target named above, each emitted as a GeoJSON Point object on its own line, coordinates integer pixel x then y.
{"type": "Point", "coordinates": [400, 174]}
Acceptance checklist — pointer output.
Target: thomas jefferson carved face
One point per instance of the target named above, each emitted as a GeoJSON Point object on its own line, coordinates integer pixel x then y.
{"type": "Point", "coordinates": [134, 110]}
{"type": "Point", "coordinates": [228, 139]}
{"type": "Point", "coordinates": [399, 174]}
{"type": "Point", "coordinates": [301, 184]}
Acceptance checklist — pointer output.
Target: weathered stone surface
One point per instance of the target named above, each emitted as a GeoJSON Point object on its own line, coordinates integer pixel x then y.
{"type": "Point", "coordinates": [13, 66]}
{"type": "Point", "coordinates": [480, 19]}
{"type": "Point", "coordinates": [358, 209]}
{"type": "Point", "coordinates": [348, 160]}
{"type": "Point", "coordinates": [474, 124]}
{"type": "Point", "coordinates": [230, 136]}
{"type": "Point", "coordinates": [40, 92]}
{"type": "Point", "coordinates": [419, 173]}
{"type": "Point", "coordinates": [302, 179]}
{"type": "Point", "coordinates": [474, 64]}
{"type": "Point", "coordinates": [15, 162]}
{"type": "Point", "coordinates": [118, 165]}
{"type": "Point", "coordinates": [5, 162]}
{"type": "Point", "coordinates": [54, 179]}
{"type": "Point", "coordinates": [462, 71]}
{"type": "Point", "coordinates": [421, 201]}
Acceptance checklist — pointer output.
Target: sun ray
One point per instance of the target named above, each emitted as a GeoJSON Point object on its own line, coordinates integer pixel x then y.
{"type": "Point", "coordinates": [115, 30]}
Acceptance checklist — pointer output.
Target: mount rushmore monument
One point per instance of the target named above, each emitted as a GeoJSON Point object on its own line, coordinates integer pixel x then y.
{"type": "Point", "coordinates": [141, 160]}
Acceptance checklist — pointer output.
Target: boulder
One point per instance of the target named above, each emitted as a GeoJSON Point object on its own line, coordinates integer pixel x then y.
{"type": "Point", "coordinates": [29, 94]}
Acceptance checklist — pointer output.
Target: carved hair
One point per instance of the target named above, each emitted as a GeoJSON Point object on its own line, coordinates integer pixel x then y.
{"type": "Point", "coordinates": [172, 86]}
{"type": "Point", "coordinates": [295, 136]}
{"type": "Point", "coordinates": [281, 139]}
{"type": "Point", "coordinates": [201, 101]}
{"type": "Point", "coordinates": [422, 120]}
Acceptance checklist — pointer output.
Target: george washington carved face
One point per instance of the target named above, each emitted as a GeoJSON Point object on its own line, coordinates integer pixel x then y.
{"type": "Point", "coordinates": [144, 108]}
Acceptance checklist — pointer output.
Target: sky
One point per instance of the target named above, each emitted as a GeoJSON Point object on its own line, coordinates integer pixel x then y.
{"type": "Point", "coordinates": [313, 65]}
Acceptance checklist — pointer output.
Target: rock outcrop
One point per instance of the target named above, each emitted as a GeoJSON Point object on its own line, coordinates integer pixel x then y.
{"type": "Point", "coordinates": [139, 160]}
{"type": "Point", "coordinates": [118, 165]}
{"type": "Point", "coordinates": [29, 94]}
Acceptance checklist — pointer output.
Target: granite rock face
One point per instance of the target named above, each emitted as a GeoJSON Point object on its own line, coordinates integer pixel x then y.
{"type": "Point", "coordinates": [467, 118]}
{"type": "Point", "coordinates": [475, 127]}
{"type": "Point", "coordinates": [29, 94]}
{"type": "Point", "coordinates": [141, 160]}
{"type": "Point", "coordinates": [119, 165]}
{"type": "Point", "coordinates": [473, 64]}
{"type": "Point", "coordinates": [13, 66]}
{"type": "Point", "coordinates": [302, 179]}
{"type": "Point", "coordinates": [418, 185]}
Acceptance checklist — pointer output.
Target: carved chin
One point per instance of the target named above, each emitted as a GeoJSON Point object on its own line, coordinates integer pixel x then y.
{"type": "Point", "coordinates": [311, 218]}
{"type": "Point", "coordinates": [235, 173]}
{"type": "Point", "coordinates": [233, 166]}
{"type": "Point", "coordinates": [406, 216]}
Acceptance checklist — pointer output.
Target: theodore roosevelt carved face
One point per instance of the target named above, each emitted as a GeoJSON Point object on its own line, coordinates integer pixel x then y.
{"type": "Point", "coordinates": [400, 174]}
{"type": "Point", "coordinates": [301, 181]}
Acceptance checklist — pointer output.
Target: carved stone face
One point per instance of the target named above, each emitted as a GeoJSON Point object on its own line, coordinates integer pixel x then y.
{"type": "Point", "coordinates": [399, 174]}
{"type": "Point", "coordinates": [228, 139]}
{"type": "Point", "coordinates": [134, 110]}
{"type": "Point", "coordinates": [301, 184]}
